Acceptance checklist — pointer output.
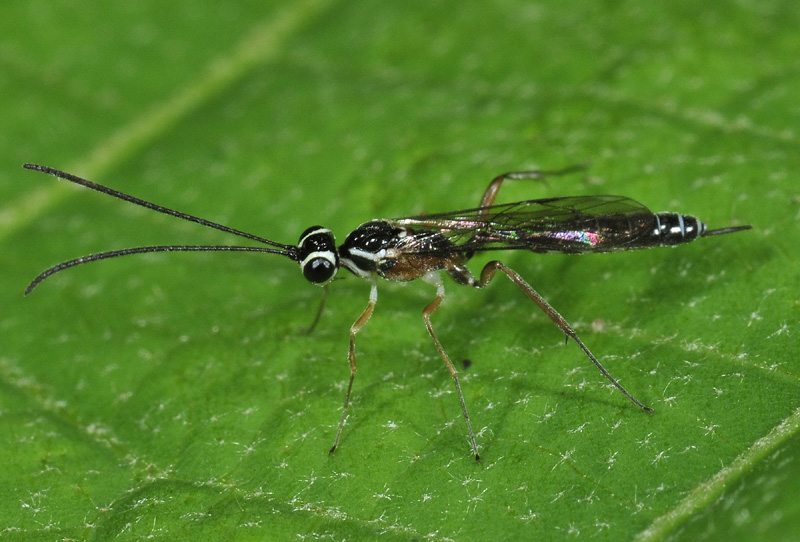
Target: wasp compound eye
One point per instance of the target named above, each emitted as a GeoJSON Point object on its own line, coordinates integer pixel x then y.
{"type": "Point", "coordinates": [319, 270]}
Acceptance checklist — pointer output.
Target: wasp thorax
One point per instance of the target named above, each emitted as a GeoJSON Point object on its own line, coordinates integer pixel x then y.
{"type": "Point", "coordinates": [318, 258]}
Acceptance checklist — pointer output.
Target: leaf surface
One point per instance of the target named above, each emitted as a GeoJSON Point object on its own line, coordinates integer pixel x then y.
{"type": "Point", "coordinates": [174, 396]}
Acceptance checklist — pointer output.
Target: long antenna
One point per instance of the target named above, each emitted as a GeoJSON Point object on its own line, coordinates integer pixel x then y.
{"type": "Point", "coordinates": [285, 250]}
{"type": "Point", "coordinates": [290, 250]}
{"type": "Point", "coordinates": [142, 250]}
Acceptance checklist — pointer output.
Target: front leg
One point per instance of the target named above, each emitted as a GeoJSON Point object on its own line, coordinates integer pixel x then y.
{"type": "Point", "coordinates": [310, 329]}
{"type": "Point", "coordinates": [354, 329]}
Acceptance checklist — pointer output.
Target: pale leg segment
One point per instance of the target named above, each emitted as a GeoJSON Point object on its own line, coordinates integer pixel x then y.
{"type": "Point", "coordinates": [354, 329]}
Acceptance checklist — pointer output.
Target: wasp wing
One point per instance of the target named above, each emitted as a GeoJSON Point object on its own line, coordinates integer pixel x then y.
{"type": "Point", "coordinates": [566, 224]}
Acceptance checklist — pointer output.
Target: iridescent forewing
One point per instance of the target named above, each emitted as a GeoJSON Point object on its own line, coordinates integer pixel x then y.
{"type": "Point", "coordinates": [568, 224]}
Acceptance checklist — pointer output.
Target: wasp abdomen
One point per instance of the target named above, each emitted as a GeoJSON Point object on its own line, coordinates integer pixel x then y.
{"type": "Point", "coordinates": [675, 228]}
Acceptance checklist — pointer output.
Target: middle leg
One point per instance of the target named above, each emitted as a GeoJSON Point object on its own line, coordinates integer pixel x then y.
{"type": "Point", "coordinates": [435, 279]}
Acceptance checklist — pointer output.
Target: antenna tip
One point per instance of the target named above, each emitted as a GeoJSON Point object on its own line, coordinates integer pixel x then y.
{"type": "Point", "coordinates": [37, 167]}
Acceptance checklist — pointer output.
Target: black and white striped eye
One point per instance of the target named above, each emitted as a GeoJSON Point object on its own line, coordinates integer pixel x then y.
{"type": "Point", "coordinates": [318, 258]}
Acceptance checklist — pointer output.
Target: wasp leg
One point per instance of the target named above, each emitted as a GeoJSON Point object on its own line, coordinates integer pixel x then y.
{"type": "Point", "coordinates": [310, 329]}
{"type": "Point", "coordinates": [354, 329]}
{"type": "Point", "coordinates": [435, 279]}
{"type": "Point", "coordinates": [486, 276]}
{"type": "Point", "coordinates": [494, 186]}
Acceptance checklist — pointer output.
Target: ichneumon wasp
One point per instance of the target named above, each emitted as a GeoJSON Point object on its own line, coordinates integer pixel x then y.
{"type": "Point", "coordinates": [422, 247]}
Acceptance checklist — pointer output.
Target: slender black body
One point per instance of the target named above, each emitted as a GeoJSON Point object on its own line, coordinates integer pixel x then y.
{"type": "Point", "coordinates": [422, 247]}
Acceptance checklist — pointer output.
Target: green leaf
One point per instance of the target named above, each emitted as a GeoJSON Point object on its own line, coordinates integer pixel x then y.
{"type": "Point", "coordinates": [175, 397]}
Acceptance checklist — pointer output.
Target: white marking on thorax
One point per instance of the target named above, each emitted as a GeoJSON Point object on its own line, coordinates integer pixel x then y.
{"type": "Point", "coordinates": [372, 256]}
{"type": "Point", "coordinates": [348, 264]}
